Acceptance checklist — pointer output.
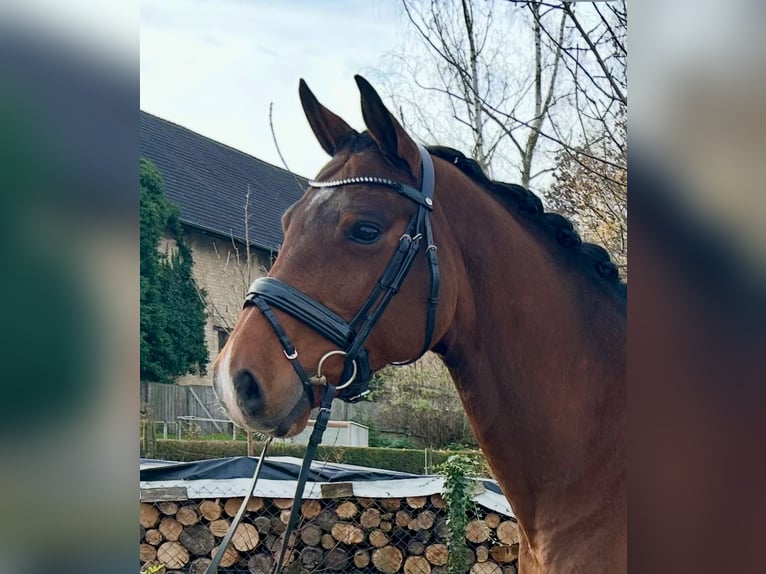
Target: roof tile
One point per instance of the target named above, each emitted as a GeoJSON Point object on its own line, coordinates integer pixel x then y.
{"type": "Point", "coordinates": [208, 180]}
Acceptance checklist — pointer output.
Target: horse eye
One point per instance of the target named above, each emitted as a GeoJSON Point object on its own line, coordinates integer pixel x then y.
{"type": "Point", "coordinates": [364, 233]}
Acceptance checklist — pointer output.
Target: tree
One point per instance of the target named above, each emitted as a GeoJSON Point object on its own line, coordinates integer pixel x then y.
{"type": "Point", "coordinates": [172, 312]}
{"type": "Point", "coordinates": [593, 192]}
{"type": "Point", "coordinates": [594, 56]}
{"type": "Point", "coordinates": [240, 265]}
{"type": "Point", "coordinates": [497, 98]}
{"type": "Point", "coordinates": [420, 402]}
{"type": "Point", "coordinates": [590, 180]}
{"type": "Point", "coordinates": [569, 99]}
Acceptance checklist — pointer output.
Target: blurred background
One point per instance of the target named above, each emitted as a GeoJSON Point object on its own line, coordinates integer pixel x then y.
{"type": "Point", "coordinates": [69, 109]}
{"type": "Point", "coordinates": [69, 228]}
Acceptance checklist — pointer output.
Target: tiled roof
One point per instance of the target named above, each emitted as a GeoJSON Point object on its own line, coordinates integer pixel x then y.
{"type": "Point", "coordinates": [209, 180]}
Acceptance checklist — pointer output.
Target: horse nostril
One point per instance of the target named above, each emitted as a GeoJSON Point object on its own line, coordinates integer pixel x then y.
{"type": "Point", "coordinates": [248, 389]}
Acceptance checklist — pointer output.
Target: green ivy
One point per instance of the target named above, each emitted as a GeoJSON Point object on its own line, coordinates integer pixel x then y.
{"type": "Point", "coordinates": [458, 494]}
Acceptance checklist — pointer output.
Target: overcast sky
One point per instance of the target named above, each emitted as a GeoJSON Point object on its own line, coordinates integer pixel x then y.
{"type": "Point", "coordinates": [214, 66]}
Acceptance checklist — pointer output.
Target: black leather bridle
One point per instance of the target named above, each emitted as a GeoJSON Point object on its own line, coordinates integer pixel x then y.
{"type": "Point", "coordinates": [350, 336]}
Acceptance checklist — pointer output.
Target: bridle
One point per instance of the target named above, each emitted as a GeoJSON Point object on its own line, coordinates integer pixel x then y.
{"type": "Point", "coordinates": [350, 337]}
{"type": "Point", "coordinates": [268, 292]}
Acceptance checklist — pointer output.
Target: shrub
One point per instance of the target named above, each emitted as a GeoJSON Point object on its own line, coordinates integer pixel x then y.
{"type": "Point", "coordinates": [397, 459]}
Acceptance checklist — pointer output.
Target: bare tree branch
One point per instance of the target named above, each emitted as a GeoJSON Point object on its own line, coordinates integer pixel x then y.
{"type": "Point", "coordinates": [541, 109]}
{"type": "Point", "coordinates": [596, 54]}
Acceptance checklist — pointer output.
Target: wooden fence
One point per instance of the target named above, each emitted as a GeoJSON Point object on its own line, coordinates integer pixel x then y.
{"type": "Point", "coordinates": [169, 405]}
{"type": "Point", "coordinates": [166, 403]}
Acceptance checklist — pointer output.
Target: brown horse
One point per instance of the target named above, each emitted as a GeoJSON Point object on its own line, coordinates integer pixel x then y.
{"type": "Point", "coordinates": [530, 322]}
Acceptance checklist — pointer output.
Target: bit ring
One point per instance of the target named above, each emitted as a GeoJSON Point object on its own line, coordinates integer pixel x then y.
{"type": "Point", "coordinates": [330, 354]}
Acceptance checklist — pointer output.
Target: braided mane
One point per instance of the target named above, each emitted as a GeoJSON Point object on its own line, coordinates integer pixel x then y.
{"type": "Point", "coordinates": [592, 257]}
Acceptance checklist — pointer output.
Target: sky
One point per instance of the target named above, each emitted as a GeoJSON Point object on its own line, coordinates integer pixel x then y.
{"type": "Point", "coordinates": [215, 66]}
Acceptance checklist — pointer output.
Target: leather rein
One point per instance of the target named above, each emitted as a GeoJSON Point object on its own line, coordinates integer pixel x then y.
{"type": "Point", "coordinates": [350, 337]}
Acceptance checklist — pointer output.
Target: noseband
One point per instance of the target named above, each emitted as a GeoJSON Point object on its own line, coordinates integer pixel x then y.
{"type": "Point", "coordinates": [350, 337]}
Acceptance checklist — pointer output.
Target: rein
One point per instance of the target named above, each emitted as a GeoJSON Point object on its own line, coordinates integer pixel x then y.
{"type": "Point", "coordinates": [213, 566]}
{"type": "Point", "coordinates": [268, 292]}
{"type": "Point", "coordinates": [316, 437]}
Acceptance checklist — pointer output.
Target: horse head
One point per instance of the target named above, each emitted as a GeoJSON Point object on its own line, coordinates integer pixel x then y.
{"type": "Point", "coordinates": [362, 232]}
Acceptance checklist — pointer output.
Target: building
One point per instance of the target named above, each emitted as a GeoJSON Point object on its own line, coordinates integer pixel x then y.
{"type": "Point", "coordinates": [228, 201]}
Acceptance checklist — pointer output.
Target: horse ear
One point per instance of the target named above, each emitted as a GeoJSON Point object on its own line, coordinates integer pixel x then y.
{"type": "Point", "coordinates": [398, 147]}
{"type": "Point", "coordinates": [331, 130]}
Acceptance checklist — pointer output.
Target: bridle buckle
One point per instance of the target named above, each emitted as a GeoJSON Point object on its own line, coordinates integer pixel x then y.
{"type": "Point", "coordinates": [318, 380]}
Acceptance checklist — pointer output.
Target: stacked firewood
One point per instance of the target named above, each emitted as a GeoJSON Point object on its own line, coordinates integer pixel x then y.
{"type": "Point", "coordinates": [360, 535]}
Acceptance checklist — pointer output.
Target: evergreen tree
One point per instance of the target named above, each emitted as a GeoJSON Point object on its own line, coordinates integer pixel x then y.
{"type": "Point", "coordinates": [172, 311]}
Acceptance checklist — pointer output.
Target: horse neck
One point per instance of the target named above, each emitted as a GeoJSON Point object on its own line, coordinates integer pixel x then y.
{"type": "Point", "coordinates": [538, 356]}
